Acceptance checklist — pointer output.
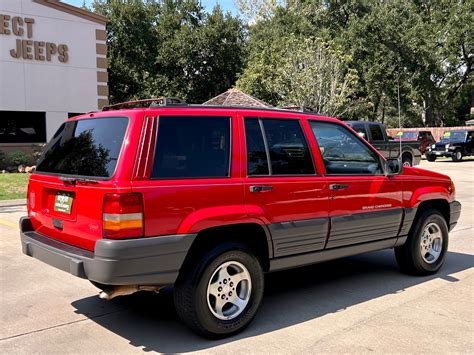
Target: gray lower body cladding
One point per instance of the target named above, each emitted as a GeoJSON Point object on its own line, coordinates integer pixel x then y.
{"type": "Point", "coordinates": [157, 260]}
{"type": "Point", "coordinates": [145, 261]}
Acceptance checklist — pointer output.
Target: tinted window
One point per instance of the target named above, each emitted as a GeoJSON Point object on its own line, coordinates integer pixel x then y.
{"type": "Point", "coordinates": [376, 132]}
{"type": "Point", "coordinates": [342, 152]}
{"type": "Point", "coordinates": [289, 152]}
{"type": "Point", "coordinates": [359, 128]}
{"type": "Point", "coordinates": [73, 114]}
{"type": "Point", "coordinates": [192, 147]}
{"type": "Point", "coordinates": [22, 127]}
{"type": "Point", "coordinates": [257, 161]}
{"type": "Point", "coordinates": [87, 147]}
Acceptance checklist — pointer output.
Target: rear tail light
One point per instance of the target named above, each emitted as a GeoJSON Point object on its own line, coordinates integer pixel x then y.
{"type": "Point", "coordinates": [123, 216]}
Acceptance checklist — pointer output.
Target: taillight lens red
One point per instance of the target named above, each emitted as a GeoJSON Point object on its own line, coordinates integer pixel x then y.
{"type": "Point", "coordinates": [123, 216]}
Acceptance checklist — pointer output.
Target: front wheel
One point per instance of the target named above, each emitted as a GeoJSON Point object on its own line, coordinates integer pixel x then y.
{"type": "Point", "coordinates": [457, 156]}
{"type": "Point", "coordinates": [425, 249]}
{"type": "Point", "coordinates": [430, 157]}
{"type": "Point", "coordinates": [218, 294]}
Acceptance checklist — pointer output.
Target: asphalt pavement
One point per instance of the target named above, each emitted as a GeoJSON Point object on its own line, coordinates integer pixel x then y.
{"type": "Point", "coordinates": [353, 305]}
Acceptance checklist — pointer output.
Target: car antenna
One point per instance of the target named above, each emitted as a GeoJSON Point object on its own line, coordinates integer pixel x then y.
{"type": "Point", "coordinates": [399, 115]}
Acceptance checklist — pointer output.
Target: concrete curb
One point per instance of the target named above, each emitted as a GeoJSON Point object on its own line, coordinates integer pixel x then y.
{"type": "Point", "coordinates": [11, 203]}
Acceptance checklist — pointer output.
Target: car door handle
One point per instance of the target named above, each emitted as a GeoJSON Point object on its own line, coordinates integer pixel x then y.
{"type": "Point", "coordinates": [260, 188]}
{"type": "Point", "coordinates": [338, 186]}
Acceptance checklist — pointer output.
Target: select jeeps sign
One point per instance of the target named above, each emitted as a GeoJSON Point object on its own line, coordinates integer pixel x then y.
{"type": "Point", "coordinates": [26, 48]}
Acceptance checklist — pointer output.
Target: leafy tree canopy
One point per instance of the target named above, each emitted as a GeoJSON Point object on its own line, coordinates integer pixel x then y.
{"type": "Point", "coordinates": [170, 48]}
{"type": "Point", "coordinates": [356, 58]}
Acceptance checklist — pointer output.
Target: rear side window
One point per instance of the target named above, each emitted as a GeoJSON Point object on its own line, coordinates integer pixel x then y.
{"type": "Point", "coordinates": [88, 147]}
{"type": "Point", "coordinates": [257, 161]}
{"type": "Point", "coordinates": [376, 132]}
{"type": "Point", "coordinates": [192, 147]}
{"type": "Point", "coordinates": [285, 148]}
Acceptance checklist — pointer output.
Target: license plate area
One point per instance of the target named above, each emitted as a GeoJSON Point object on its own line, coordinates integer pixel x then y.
{"type": "Point", "coordinates": [63, 202]}
{"type": "Point", "coordinates": [59, 204]}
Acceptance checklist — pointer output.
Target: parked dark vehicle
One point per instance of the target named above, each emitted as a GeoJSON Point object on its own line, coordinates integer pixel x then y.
{"type": "Point", "coordinates": [375, 134]}
{"type": "Point", "coordinates": [454, 144]}
{"type": "Point", "coordinates": [424, 138]}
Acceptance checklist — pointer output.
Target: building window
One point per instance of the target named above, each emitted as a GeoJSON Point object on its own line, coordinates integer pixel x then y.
{"type": "Point", "coordinates": [22, 127]}
{"type": "Point", "coordinates": [73, 114]}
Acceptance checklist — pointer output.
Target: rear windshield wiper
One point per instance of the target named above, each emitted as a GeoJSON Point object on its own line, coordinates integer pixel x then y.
{"type": "Point", "coordinates": [75, 180]}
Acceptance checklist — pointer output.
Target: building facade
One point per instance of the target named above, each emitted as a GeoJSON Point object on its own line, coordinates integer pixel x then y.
{"type": "Point", "coordinates": [53, 65]}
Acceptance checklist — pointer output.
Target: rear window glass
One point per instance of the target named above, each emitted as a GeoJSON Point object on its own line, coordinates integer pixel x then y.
{"type": "Point", "coordinates": [257, 161]}
{"type": "Point", "coordinates": [289, 152]}
{"type": "Point", "coordinates": [376, 132]}
{"type": "Point", "coordinates": [88, 147]}
{"type": "Point", "coordinates": [192, 147]}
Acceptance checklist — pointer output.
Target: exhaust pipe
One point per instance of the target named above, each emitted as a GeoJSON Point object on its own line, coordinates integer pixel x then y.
{"type": "Point", "coordinates": [115, 291]}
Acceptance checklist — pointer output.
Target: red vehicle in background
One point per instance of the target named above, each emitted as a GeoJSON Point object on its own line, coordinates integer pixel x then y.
{"type": "Point", "coordinates": [424, 137]}
{"type": "Point", "coordinates": [208, 199]}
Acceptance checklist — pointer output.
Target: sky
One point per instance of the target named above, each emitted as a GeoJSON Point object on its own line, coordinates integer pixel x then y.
{"type": "Point", "coordinates": [227, 5]}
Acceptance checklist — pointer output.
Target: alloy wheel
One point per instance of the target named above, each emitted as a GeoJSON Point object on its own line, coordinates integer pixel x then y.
{"type": "Point", "coordinates": [431, 243]}
{"type": "Point", "coordinates": [229, 290]}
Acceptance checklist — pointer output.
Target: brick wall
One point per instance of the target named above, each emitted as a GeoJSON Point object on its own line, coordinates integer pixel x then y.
{"type": "Point", "coordinates": [437, 132]}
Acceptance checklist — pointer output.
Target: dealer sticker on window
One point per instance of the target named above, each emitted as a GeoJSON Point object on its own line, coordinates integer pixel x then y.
{"type": "Point", "coordinates": [63, 202]}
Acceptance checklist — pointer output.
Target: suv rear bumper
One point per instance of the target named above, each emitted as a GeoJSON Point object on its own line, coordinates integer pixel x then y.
{"type": "Point", "coordinates": [145, 261]}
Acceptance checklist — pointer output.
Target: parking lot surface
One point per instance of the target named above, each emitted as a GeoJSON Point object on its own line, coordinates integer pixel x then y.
{"type": "Point", "coordinates": [356, 304]}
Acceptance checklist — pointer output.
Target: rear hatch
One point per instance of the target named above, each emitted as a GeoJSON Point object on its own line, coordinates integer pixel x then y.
{"type": "Point", "coordinates": [76, 170]}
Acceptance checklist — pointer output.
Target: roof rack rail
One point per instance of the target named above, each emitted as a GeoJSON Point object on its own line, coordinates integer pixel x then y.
{"type": "Point", "coordinates": [157, 102]}
{"type": "Point", "coordinates": [300, 109]}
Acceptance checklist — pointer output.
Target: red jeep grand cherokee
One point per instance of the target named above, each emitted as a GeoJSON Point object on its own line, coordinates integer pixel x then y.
{"type": "Point", "coordinates": [210, 198]}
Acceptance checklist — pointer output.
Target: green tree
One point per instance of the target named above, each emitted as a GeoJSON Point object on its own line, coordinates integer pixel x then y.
{"type": "Point", "coordinates": [418, 50]}
{"type": "Point", "coordinates": [132, 45]}
{"type": "Point", "coordinates": [308, 73]}
{"type": "Point", "coordinates": [170, 48]}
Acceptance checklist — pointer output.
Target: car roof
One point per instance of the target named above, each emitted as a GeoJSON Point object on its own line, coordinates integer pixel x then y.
{"type": "Point", "coordinates": [350, 122]}
{"type": "Point", "coordinates": [202, 109]}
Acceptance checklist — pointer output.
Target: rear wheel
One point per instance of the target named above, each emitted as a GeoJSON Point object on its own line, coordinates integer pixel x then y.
{"type": "Point", "coordinates": [218, 293]}
{"type": "Point", "coordinates": [425, 249]}
{"type": "Point", "coordinates": [457, 155]}
{"type": "Point", "coordinates": [430, 157]}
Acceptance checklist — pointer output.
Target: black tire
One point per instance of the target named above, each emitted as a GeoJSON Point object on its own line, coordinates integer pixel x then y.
{"type": "Point", "coordinates": [191, 291]}
{"type": "Point", "coordinates": [457, 155]}
{"type": "Point", "coordinates": [430, 157]}
{"type": "Point", "coordinates": [409, 256]}
{"type": "Point", "coordinates": [407, 160]}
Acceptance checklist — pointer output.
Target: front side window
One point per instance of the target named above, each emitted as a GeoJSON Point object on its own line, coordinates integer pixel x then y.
{"type": "Point", "coordinates": [342, 152]}
{"type": "Point", "coordinates": [376, 132]}
{"type": "Point", "coordinates": [192, 147]}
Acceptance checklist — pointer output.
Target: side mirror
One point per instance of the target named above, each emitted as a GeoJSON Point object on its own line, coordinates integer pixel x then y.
{"type": "Point", "coordinates": [393, 167]}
